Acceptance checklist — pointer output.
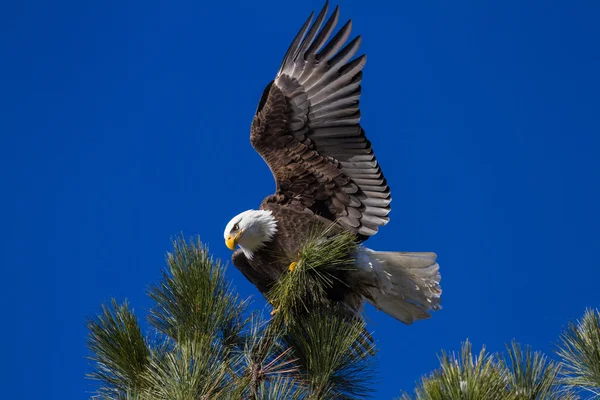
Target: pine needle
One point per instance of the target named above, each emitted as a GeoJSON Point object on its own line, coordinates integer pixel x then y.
{"type": "Point", "coordinates": [314, 347]}
{"type": "Point", "coordinates": [465, 377]}
{"type": "Point", "coordinates": [204, 347]}
{"type": "Point", "coordinates": [531, 375]}
{"type": "Point", "coordinates": [119, 353]}
{"type": "Point", "coordinates": [195, 296]}
{"type": "Point", "coordinates": [579, 349]}
{"type": "Point", "coordinates": [322, 260]}
{"type": "Point", "coordinates": [334, 354]}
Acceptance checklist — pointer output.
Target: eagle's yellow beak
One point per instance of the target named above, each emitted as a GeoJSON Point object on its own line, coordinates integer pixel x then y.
{"type": "Point", "coordinates": [231, 241]}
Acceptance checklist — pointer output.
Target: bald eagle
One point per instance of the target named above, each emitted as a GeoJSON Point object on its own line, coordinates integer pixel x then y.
{"type": "Point", "coordinates": [307, 130]}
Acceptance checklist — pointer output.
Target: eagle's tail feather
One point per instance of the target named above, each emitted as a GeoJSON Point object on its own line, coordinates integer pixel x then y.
{"type": "Point", "coordinates": [408, 284]}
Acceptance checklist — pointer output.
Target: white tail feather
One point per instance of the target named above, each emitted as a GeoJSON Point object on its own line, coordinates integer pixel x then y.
{"type": "Point", "coordinates": [408, 284]}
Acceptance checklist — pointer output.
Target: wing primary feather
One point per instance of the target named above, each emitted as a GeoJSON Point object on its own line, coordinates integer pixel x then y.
{"type": "Point", "coordinates": [291, 52]}
{"type": "Point", "coordinates": [314, 69]}
{"type": "Point", "coordinates": [314, 29]}
{"type": "Point", "coordinates": [344, 55]}
{"type": "Point", "coordinates": [351, 67]}
{"type": "Point", "coordinates": [323, 35]}
{"type": "Point", "coordinates": [336, 42]}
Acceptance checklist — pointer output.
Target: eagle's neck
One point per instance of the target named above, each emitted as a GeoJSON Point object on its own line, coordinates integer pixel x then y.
{"type": "Point", "coordinates": [260, 232]}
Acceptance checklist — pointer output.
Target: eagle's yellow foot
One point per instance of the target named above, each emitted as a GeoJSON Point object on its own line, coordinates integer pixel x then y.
{"type": "Point", "coordinates": [274, 311]}
{"type": "Point", "coordinates": [292, 266]}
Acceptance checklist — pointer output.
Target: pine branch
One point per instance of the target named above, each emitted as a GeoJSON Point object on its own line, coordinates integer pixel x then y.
{"type": "Point", "coordinates": [322, 263]}
{"type": "Point", "coordinates": [518, 375]}
{"type": "Point", "coordinates": [314, 347]}
{"type": "Point", "coordinates": [268, 363]}
{"type": "Point", "coordinates": [193, 369]}
{"type": "Point", "coordinates": [204, 348]}
{"type": "Point", "coordinates": [281, 388]}
{"type": "Point", "coordinates": [531, 375]}
{"type": "Point", "coordinates": [465, 377]}
{"type": "Point", "coordinates": [579, 349]}
{"type": "Point", "coordinates": [334, 354]}
{"type": "Point", "coordinates": [119, 351]}
{"type": "Point", "coordinates": [195, 297]}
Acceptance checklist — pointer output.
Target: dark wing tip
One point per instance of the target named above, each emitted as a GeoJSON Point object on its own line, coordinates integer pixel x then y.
{"type": "Point", "coordinates": [309, 41]}
{"type": "Point", "coordinates": [292, 50]}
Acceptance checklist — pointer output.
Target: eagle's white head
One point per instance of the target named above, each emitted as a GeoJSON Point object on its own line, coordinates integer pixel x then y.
{"type": "Point", "coordinates": [251, 230]}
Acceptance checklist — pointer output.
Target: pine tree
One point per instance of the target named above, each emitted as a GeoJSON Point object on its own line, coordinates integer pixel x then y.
{"type": "Point", "coordinates": [521, 374]}
{"type": "Point", "coordinates": [579, 349]}
{"type": "Point", "coordinates": [206, 343]}
{"type": "Point", "coordinates": [517, 375]}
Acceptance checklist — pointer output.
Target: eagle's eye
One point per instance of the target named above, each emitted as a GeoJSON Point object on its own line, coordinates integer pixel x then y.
{"type": "Point", "coordinates": [236, 227]}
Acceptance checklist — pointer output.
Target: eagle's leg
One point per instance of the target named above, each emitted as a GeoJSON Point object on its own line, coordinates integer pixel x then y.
{"type": "Point", "coordinates": [292, 266]}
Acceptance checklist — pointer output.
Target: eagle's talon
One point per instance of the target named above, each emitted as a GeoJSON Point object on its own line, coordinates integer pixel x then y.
{"type": "Point", "coordinates": [292, 266]}
{"type": "Point", "coordinates": [274, 311]}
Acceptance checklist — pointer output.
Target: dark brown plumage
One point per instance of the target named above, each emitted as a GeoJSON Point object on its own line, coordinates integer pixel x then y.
{"type": "Point", "coordinates": [307, 130]}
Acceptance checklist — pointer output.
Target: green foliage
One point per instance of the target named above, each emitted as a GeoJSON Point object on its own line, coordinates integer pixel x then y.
{"type": "Point", "coordinates": [517, 375]}
{"type": "Point", "coordinates": [464, 377]}
{"type": "Point", "coordinates": [268, 363]}
{"type": "Point", "coordinates": [195, 297]}
{"type": "Point", "coordinates": [120, 354]}
{"type": "Point", "coordinates": [531, 375]}
{"type": "Point", "coordinates": [333, 354]}
{"type": "Point", "coordinates": [304, 289]}
{"type": "Point", "coordinates": [579, 349]}
{"type": "Point", "coordinates": [207, 347]}
{"type": "Point", "coordinates": [331, 346]}
{"type": "Point", "coordinates": [193, 369]}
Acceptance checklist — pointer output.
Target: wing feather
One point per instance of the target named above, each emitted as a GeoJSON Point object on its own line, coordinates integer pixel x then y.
{"type": "Point", "coordinates": [307, 129]}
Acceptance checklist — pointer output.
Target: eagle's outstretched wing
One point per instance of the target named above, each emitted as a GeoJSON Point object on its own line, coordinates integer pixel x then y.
{"type": "Point", "coordinates": [307, 130]}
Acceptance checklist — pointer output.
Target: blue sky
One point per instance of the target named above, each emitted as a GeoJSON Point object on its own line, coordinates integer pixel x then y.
{"type": "Point", "coordinates": [125, 123]}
